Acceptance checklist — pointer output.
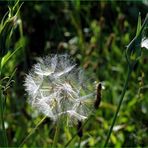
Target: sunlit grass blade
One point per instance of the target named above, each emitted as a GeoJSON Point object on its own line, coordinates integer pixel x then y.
{"type": "Point", "coordinates": [138, 24]}
{"type": "Point", "coordinates": [7, 57]}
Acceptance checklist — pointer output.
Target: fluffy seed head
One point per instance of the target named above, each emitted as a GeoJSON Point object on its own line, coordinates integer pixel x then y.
{"type": "Point", "coordinates": [57, 88]}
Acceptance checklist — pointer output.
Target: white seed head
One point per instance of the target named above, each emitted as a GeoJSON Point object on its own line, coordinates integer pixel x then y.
{"type": "Point", "coordinates": [57, 88]}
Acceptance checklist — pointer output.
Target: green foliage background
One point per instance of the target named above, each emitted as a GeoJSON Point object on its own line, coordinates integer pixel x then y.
{"type": "Point", "coordinates": [96, 34]}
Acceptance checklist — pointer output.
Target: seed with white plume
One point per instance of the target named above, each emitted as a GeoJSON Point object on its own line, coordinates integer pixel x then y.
{"type": "Point", "coordinates": [57, 88]}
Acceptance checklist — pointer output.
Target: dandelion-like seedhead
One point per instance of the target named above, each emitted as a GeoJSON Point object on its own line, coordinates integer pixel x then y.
{"type": "Point", "coordinates": [57, 88]}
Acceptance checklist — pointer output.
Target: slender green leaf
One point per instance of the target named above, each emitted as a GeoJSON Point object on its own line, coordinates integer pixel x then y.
{"type": "Point", "coordinates": [138, 24]}
{"type": "Point", "coordinates": [7, 57]}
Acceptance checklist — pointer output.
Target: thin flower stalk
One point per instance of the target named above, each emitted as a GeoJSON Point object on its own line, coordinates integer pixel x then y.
{"type": "Point", "coordinates": [134, 48]}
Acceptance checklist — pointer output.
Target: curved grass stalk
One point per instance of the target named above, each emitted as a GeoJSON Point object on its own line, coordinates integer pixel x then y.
{"type": "Point", "coordinates": [32, 131]}
{"type": "Point", "coordinates": [119, 105]}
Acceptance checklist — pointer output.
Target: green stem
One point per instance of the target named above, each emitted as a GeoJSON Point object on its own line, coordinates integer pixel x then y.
{"type": "Point", "coordinates": [79, 145]}
{"type": "Point", "coordinates": [32, 131]}
{"type": "Point", "coordinates": [4, 135]}
{"type": "Point", "coordinates": [119, 105]}
{"type": "Point", "coordinates": [56, 136]}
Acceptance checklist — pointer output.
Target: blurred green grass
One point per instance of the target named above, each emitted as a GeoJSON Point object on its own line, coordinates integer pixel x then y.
{"type": "Point", "coordinates": [96, 35]}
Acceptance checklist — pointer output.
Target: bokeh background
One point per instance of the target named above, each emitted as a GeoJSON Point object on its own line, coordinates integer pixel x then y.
{"type": "Point", "coordinates": [95, 34]}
